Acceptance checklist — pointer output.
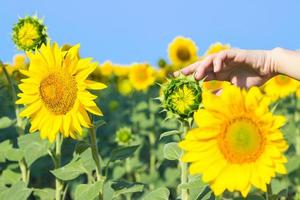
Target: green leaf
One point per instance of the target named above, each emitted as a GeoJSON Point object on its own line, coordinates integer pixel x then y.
{"type": "Point", "coordinates": [161, 193]}
{"type": "Point", "coordinates": [123, 152]}
{"type": "Point", "coordinates": [293, 163]}
{"type": "Point", "coordinates": [123, 187]}
{"type": "Point", "coordinates": [33, 147]}
{"type": "Point", "coordinates": [87, 160]}
{"type": "Point", "coordinates": [14, 154]}
{"type": "Point", "coordinates": [70, 171]}
{"type": "Point", "coordinates": [98, 124]}
{"type": "Point", "coordinates": [108, 192]}
{"type": "Point", "coordinates": [18, 191]}
{"type": "Point", "coordinates": [192, 185]}
{"type": "Point", "coordinates": [9, 177]}
{"type": "Point", "coordinates": [169, 133]}
{"type": "Point", "coordinates": [81, 146]}
{"type": "Point", "coordinates": [251, 197]}
{"type": "Point", "coordinates": [172, 151]}
{"type": "Point", "coordinates": [6, 122]}
{"type": "Point", "coordinates": [88, 191]}
{"type": "Point", "coordinates": [44, 194]}
{"type": "Point", "coordinates": [4, 147]}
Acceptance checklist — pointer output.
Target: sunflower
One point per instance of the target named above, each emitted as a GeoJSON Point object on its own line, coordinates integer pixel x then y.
{"type": "Point", "coordinates": [216, 48]}
{"type": "Point", "coordinates": [124, 136]}
{"type": "Point", "coordinates": [280, 86]}
{"type": "Point", "coordinates": [141, 76]}
{"type": "Point", "coordinates": [120, 70]}
{"type": "Point", "coordinates": [106, 69]}
{"type": "Point", "coordinates": [29, 33]}
{"type": "Point", "coordinates": [55, 92]}
{"type": "Point", "coordinates": [182, 51]}
{"type": "Point", "coordinates": [124, 87]}
{"type": "Point", "coordinates": [237, 143]}
{"type": "Point", "coordinates": [214, 85]}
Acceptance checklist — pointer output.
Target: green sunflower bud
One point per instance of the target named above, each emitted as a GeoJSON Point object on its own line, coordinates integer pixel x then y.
{"type": "Point", "coordinates": [124, 136]}
{"type": "Point", "coordinates": [181, 96]}
{"type": "Point", "coordinates": [29, 33]}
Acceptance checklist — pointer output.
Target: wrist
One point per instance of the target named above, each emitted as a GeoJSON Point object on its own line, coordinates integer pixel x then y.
{"type": "Point", "coordinates": [273, 60]}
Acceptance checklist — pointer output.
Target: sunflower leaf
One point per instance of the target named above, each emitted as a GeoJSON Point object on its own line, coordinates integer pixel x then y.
{"type": "Point", "coordinates": [88, 191]}
{"type": "Point", "coordinates": [121, 153]}
{"type": "Point", "coordinates": [6, 122]}
{"type": "Point", "coordinates": [172, 151]}
{"type": "Point", "coordinates": [169, 133]}
{"type": "Point", "coordinates": [161, 193]}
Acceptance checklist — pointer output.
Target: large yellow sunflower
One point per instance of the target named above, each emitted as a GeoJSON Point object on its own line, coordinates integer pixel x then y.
{"type": "Point", "coordinates": [237, 143]}
{"type": "Point", "coordinates": [280, 86]}
{"type": "Point", "coordinates": [55, 92]}
{"type": "Point", "coordinates": [214, 85]}
{"type": "Point", "coordinates": [182, 51]}
{"type": "Point", "coordinates": [141, 76]}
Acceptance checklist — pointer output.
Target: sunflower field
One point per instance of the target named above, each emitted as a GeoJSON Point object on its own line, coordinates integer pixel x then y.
{"type": "Point", "coordinates": [73, 128]}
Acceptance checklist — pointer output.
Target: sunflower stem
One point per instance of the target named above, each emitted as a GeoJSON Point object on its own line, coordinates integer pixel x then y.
{"type": "Point", "coordinates": [296, 120]}
{"type": "Point", "coordinates": [95, 152]}
{"type": "Point", "coordinates": [57, 164]}
{"type": "Point", "coordinates": [269, 192]}
{"type": "Point", "coordinates": [184, 168]}
{"type": "Point", "coordinates": [25, 173]}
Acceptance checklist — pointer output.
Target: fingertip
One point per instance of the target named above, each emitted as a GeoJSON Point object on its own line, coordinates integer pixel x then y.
{"type": "Point", "coordinates": [176, 74]}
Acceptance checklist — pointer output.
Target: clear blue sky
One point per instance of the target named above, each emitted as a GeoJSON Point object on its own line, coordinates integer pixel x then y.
{"type": "Point", "coordinates": [126, 31]}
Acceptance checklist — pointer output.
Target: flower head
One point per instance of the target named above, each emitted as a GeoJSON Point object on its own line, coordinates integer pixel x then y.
{"type": "Point", "coordinates": [124, 136]}
{"type": "Point", "coordinates": [216, 48]}
{"type": "Point", "coordinates": [29, 33]}
{"type": "Point", "coordinates": [182, 51]}
{"type": "Point", "coordinates": [280, 86]}
{"type": "Point", "coordinates": [237, 143]}
{"type": "Point", "coordinates": [141, 76]}
{"type": "Point", "coordinates": [55, 92]}
{"type": "Point", "coordinates": [124, 87]}
{"type": "Point", "coordinates": [181, 96]}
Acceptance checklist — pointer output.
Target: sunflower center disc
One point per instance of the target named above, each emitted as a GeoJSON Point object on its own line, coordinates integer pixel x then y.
{"type": "Point", "coordinates": [241, 142]}
{"type": "Point", "coordinates": [58, 92]}
{"type": "Point", "coordinates": [183, 54]}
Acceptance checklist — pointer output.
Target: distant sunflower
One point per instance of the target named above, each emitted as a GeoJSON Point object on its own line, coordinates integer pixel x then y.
{"type": "Point", "coordinates": [141, 76]}
{"type": "Point", "coordinates": [216, 48]}
{"type": "Point", "coordinates": [106, 69]}
{"type": "Point", "coordinates": [29, 33]}
{"type": "Point", "coordinates": [120, 70]}
{"type": "Point", "coordinates": [182, 51]}
{"type": "Point", "coordinates": [237, 143]}
{"type": "Point", "coordinates": [280, 86]}
{"type": "Point", "coordinates": [124, 87]}
{"type": "Point", "coordinates": [55, 93]}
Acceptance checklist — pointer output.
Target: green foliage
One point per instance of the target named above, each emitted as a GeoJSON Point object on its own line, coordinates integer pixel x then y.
{"type": "Point", "coordinates": [158, 194]}
{"type": "Point", "coordinates": [6, 122]}
{"type": "Point", "coordinates": [172, 151]}
{"type": "Point", "coordinates": [17, 191]}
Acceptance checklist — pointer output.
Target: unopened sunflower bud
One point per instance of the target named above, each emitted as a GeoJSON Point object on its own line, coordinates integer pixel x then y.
{"type": "Point", "coordinates": [181, 96]}
{"type": "Point", "coordinates": [124, 136]}
{"type": "Point", "coordinates": [29, 33]}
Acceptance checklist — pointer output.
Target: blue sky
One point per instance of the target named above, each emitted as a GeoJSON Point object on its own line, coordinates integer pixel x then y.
{"type": "Point", "coordinates": [127, 31]}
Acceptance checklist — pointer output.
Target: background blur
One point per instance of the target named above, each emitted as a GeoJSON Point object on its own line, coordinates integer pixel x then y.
{"type": "Point", "coordinates": [134, 30]}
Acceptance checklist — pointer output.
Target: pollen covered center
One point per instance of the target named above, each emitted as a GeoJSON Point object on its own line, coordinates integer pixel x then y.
{"type": "Point", "coordinates": [58, 92]}
{"type": "Point", "coordinates": [183, 53]}
{"type": "Point", "coordinates": [241, 141]}
{"type": "Point", "coordinates": [27, 34]}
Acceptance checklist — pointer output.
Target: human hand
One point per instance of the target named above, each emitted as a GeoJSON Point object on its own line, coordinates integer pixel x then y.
{"type": "Point", "coordinates": [244, 68]}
